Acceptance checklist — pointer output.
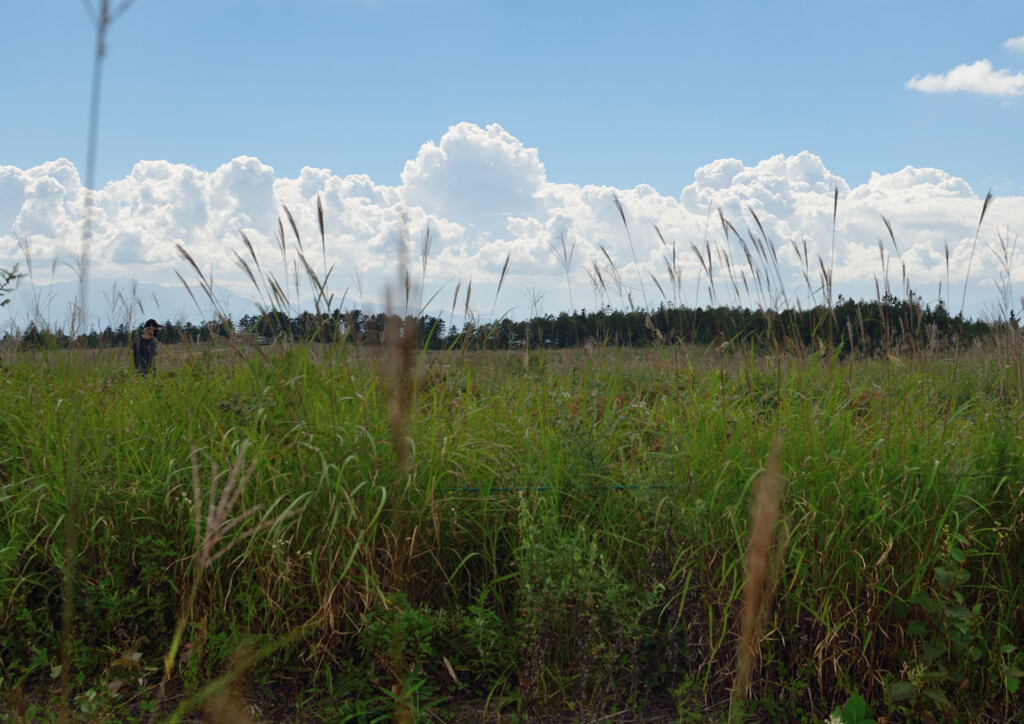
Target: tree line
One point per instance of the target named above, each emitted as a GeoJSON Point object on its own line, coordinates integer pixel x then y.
{"type": "Point", "coordinates": [849, 326]}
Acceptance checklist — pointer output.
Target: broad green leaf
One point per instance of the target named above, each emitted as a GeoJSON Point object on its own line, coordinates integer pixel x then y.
{"type": "Point", "coordinates": [932, 650]}
{"type": "Point", "coordinates": [856, 708]}
{"type": "Point", "coordinates": [917, 628]}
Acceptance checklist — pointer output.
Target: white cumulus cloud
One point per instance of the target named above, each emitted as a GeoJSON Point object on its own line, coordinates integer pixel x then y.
{"type": "Point", "coordinates": [485, 197]}
{"type": "Point", "coordinates": [978, 77]}
{"type": "Point", "coordinates": [1015, 44]}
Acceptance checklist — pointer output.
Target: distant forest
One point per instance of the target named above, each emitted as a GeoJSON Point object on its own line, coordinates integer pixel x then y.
{"type": "Point", "coordinates": [854, 326]}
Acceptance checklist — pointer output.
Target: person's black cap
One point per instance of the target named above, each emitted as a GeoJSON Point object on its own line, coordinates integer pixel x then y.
{"type": "Point", "coordinates": [153, 323]}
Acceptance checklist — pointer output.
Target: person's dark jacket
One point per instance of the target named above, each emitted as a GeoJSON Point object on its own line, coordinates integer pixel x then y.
{"type": "Point", "coordinates": [144, 355]}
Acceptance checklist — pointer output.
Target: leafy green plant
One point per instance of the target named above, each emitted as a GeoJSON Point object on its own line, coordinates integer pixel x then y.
{"type": "Point", "coordinates": [579, 619]}
{"type": "Point", "coordinates": [950, 648]}
{"type": "Point", "coordinates": [854, 711]}
{"type": "Point", "coordinates": [399, 642]}
{"type": "Point", "coordinates": [687, 696]}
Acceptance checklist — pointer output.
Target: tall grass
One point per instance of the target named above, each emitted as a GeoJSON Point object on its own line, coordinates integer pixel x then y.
{"type": "Point", "coordinates": [573, 541]}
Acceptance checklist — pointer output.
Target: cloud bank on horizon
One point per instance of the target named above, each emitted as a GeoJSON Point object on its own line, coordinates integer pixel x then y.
{"type": "Point", "coordinates": [485, 198]}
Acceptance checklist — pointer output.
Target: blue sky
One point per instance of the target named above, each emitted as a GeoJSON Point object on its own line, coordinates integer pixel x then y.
{"type": "Point", "coordinates": [609, 95]}
{"type": "Point", "coordinates": [609, 92]}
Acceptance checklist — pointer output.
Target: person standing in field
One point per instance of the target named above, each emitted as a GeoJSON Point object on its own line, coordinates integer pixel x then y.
{"type": "Point", "coordinates": [144, 348]}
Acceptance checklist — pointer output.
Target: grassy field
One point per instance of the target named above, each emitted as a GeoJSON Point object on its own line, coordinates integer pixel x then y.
{"type": "Point", "coordinates": [330, 534]}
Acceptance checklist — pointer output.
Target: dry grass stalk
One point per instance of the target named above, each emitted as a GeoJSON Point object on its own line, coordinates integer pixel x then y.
{"type": "Point", "coordinates": [209, 540]}
{"type": "Point", "coordinates": [756, 598]}
{"type": "Point", "coordinates": [401, 338]}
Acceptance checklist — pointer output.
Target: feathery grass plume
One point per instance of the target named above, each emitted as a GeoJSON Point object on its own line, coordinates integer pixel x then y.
{"type": "Point", "coordinates": [970, 261]}
{"type": "Point", "coordinates": [725, 260]}
{"type": "Point", "coordinates": [706, 268]}
{"type": "Point", "coordinates": [781, 286]}
{"type": "Point", "coordinates": [563, 255]}
{"type": "Point", "coordinates": [614, 276]}
{"type": "Point", "coordinates": [206, 284]}
{"type": "Point", "coordinates": [804, 265]}
{"type": "Point", "coordinates": [948, 287]}
{"type": "Point", "coordinates": [755, 272]}
{"type": "Point", "coordinates": [252, 251]}
{"type": "Point", "coordinates": [632, 249]}
{"type": "Point", "coordinates": [295, 227]}
{"type": "Point", "coordinates": [455, 301]}
{"type": "Point", "coordinates": [296, 276]}
{"type": "Point", "coordinates": [672, 267]}
{"type": "Point", "coordinates": [469, 319]}
{"type": "Point", "coordinates": [282, 246]}
{"type": "Point", "coordinates": [242, 264]}
{"type": "Point", "coordinates": [1004, 250]}
{"type": "Point", "coordinates": [535, 299]}
{"type": "Point", "coordinates": [725, 224]}
{"type": "Point", "coordinates": [281, 242]}
{"type": "Point", "coordinates": [323, 301]}
{"type": "Point", "coordinates": [323, 232]}
{"type": "Point", "coordinates": [659, 287]}
{"type": "Point", "coordinates": [597, 282]}
{"type": "Point", "coordinates": [501, 281]}
{"type": "Point", "coordinates": [426, 241]}
{"type": "Point", "coordinates": [826, 278]}
{"type": "Point", "coordinates": [884, 263]}
{"type": "Point", "coordinates": [209, 540]}
{"type": "Point", "coordinates": [899, 254]}
{"type": "Point", "coordinates": [756, 589]}
{"type": "Point", "coordinates": [469, 293]}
